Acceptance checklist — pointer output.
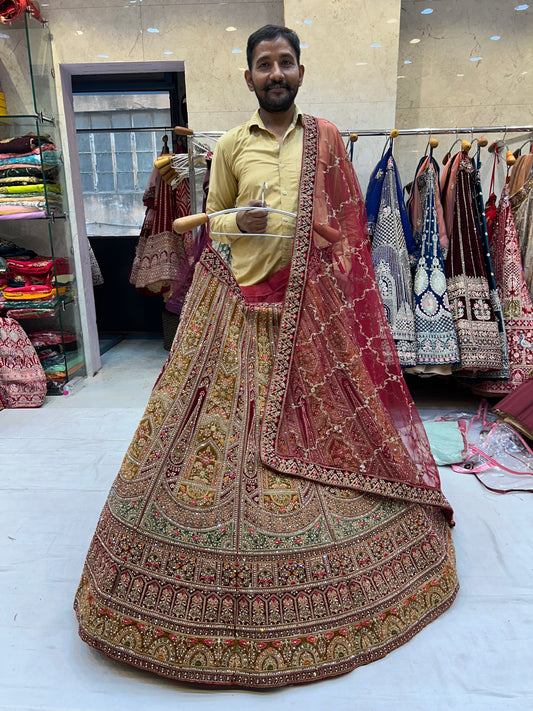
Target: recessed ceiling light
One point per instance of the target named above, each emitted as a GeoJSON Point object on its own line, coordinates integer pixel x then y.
{"type": "Point", "coordinates": [231, 29]}
{"type": "Point", "coordinates": [427, 11]}
{"type": "Point", "coordinates": [376, 44]}
{"type": "Point", "coordinates": [236, 51]}
{"type": "Point", "coordinates": [153, 30]}
{"type": "Point", "coordinates": [476, 59]}
{"type": "Point", "coordinates": [407, 61]}
{"type": "Point", "coordinates": [495, 37]}
{"type": "Point", "coordinates": [414, 41]}
{"type": "Point", "coordinates": [521, 7]}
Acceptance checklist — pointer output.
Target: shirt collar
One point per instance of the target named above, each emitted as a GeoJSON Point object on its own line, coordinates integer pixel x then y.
{"type": "Point", "coordinates": [256, 119]}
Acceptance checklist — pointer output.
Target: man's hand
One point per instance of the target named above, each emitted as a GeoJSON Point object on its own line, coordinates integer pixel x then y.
{"type": "Point", "coordinates": [253, 221]}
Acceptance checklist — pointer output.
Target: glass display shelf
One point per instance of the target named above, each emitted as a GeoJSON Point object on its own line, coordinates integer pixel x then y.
{"type": "Point", "coordinates": [26, 61]}
{"type": "Point", "coordinates": [34, 224]}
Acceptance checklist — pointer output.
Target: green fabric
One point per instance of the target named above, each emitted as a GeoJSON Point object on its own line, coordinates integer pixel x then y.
{"type": "Point", "coordinates": [446, 441]}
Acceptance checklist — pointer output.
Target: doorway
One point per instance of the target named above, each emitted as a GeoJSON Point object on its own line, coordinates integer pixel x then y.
{"type": "Point", "coordinates": [119, 114]}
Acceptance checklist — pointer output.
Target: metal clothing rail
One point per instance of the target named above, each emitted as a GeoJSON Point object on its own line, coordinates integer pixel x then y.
{"type": "Point", "coordinates": [362, 132]}
{"type": "Point", "coordinates": [456, 130]}
{"type": "Point", "coordinates": [430, 131]}
{"type": "Point", "coordinates": [125, 129]}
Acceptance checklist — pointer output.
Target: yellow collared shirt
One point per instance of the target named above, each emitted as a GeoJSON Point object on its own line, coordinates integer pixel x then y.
{"type": "Point", "coordinates": [244, 159]}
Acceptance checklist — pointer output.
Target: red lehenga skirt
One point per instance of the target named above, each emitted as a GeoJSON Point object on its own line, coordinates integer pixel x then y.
{"type": "Point", "coordinates": [209, 567]}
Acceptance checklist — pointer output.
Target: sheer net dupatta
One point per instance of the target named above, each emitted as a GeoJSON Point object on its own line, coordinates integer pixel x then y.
{"type": "Point", "coordinates": [338, 410]}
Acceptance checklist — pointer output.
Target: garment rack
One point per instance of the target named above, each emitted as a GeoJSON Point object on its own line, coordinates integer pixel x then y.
{"type": "Point", "coordinates": [362, 132]}
{"type": "Point", "coordinates": [430, 131]}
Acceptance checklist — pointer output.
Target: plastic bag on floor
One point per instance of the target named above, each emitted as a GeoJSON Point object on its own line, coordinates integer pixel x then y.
{"type": "Point", "coordinates": [495, 452]}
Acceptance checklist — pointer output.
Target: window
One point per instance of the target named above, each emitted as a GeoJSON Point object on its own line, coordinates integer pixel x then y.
{"type": "Point", "coordinates": [120, 123]}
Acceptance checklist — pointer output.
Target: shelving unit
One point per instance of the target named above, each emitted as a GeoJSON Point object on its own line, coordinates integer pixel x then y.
{"type": "Point", "coordinates": [28, 84]}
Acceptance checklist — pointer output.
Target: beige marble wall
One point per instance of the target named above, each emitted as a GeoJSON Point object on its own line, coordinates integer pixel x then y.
{"type": "Point", "coordinates": [461, 75]}
{"type": "Point", "coordinates": [348, 80]}
{"type": "Point", "coordinates": [196, 33]}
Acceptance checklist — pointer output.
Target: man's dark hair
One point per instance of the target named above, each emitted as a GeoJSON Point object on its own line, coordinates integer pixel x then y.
{"type": "Point", "coordinates": [270, 32]}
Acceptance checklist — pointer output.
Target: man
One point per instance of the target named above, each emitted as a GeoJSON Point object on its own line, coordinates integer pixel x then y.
{"type": "Point", "coordinates": [265, 151]}
{"type": "Point", "coordinates": [278, 517]}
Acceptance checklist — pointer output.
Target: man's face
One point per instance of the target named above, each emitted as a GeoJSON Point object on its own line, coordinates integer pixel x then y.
{"type": "Point", "coordinates": [275, 75]}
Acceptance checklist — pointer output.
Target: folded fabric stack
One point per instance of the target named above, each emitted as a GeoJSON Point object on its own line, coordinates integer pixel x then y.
{"type": "Point", "coordinates": [30, 286]}
{"type": "Point", "coordinates": [29, 172]}
{"type": "Point", "coordinates": [58, 353]}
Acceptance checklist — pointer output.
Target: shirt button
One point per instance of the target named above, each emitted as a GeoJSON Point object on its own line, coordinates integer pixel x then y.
{"type": "Point", "coordinates": [285, 219]}
{"type": "Point", "coordinates": [284, 192]}
{"type": "Point", "coordinates": [282, 165]}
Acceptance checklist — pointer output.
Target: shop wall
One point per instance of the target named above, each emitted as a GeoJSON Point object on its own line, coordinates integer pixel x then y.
{"type": "Point", "coordinates": [348, 80]}
{"type": "Point", "coordinates": [464, 64]}
{"type": "Point", "coordinates": [350, 51]}
{"type": "Point", "coordinates": [94, 31]}
{"type": "Point", "coordinates": [355, 53]}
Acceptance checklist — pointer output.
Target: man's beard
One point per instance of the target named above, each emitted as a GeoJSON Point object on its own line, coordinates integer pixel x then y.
{"type": "Point", "coordinates": [276, 103]}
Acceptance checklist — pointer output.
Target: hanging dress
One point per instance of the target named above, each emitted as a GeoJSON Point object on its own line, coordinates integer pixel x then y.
{"type": "Point", "coordinates": [278, 516]}
{"type": "Point", "coordinates": [522, 209]}
{"type": "Point", "coordinates": [436, 338]}
{"type": "Point", "coordinates": [479, 202]}
{"type": "Point", "coordinates": [468, 288]}
{"type": "Point", "coordinates": [390, 235]}
{"type": "Point", "coordinates": [159, 250]}
{"type": "Point", "coordinates": [514, 297]}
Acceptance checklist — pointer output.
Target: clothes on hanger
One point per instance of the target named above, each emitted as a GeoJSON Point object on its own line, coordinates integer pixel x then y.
{"type": "Point", "coordinates": [160, 250]}
{"type": "Point", "coordinates": [391, 240]}
{"type": "Point", "coordinates": [479, 202]}
{"type": "Point", "coordinates": [521, 198]}
{"type": "Point", "coordinates": [514, 295]}
{"type": "Point", "coordinates": [436, 339]}
{"type": "Point", "coordinates": [468, 288]}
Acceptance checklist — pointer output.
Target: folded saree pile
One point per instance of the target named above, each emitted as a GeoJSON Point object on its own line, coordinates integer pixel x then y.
{"type": "Point", "coordinates": [29, 169]}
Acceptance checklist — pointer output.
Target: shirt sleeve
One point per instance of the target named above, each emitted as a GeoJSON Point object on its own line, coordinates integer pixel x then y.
{"type": "Point", "coordinates": [223, 188]}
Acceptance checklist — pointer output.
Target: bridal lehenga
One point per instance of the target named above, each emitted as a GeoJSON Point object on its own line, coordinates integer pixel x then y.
{"type": "Point", "coordinates": [278, 516]}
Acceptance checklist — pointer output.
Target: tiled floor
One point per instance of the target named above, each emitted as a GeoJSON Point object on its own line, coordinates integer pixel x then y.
{"type": "Point", "coordinates": [56, 466]}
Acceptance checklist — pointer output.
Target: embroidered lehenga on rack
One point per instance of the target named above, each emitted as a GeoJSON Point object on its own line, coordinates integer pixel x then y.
{"type": "Point", "coordinates": [436, 340]}
{"type": "Point", "coordinates": [468, 287]}
{"type": "Point", "coordinates": [278, 516]}
{"type": "Point", "coordinates": [392, 241]}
